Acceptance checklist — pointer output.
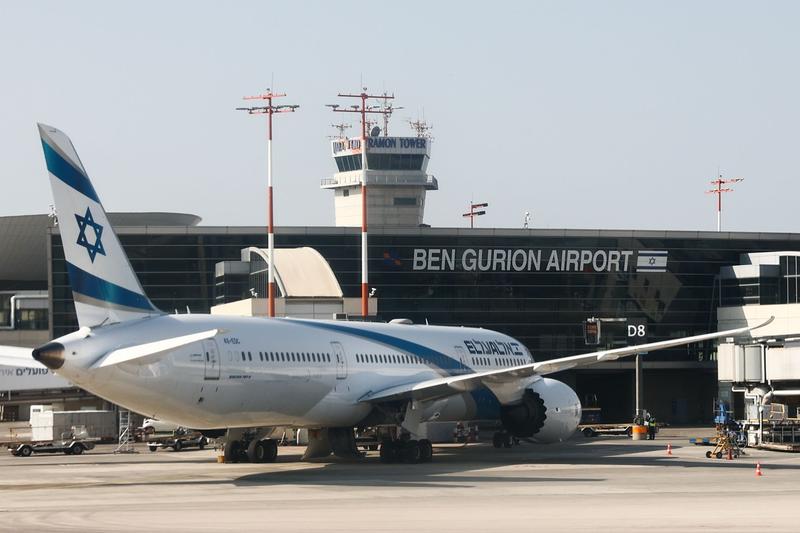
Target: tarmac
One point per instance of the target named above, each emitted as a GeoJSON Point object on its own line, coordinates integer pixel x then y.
{"type": "Point", "coordinates": [607, 483]}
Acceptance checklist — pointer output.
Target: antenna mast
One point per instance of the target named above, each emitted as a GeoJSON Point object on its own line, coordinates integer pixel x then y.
{"type": "Point", "coordinates": [269, 110]}
{"type": "Point", "coordinates": [422, 128]}
{"type": "Point", "coordinates": [364, 109]}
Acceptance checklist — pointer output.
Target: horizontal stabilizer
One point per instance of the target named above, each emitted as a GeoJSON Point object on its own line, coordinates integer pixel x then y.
{"type": "Point", "coordinates": [18, 357]}
{"type": "Point", "coordinates": [495, 379]}
{"type": "Point", "coordinates": [139, 352]}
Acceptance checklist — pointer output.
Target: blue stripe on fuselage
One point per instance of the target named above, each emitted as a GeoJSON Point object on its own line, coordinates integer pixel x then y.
{"type": "Point", "coordinates": [450, 366]}
{"type": "Point", "coordinates": [90, 285]}
{"type": "Point", "coordinates": [487, 407]}
{"type": "Point", "coordinates": [63, 170]}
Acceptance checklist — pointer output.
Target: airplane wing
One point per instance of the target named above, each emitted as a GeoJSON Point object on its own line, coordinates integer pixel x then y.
{"type": "Point", "coordinates": [143, 352]}
{"type": "Point", "coordinates": [438, 388]}
{"type": "Point", "coordinates": [18, 357]}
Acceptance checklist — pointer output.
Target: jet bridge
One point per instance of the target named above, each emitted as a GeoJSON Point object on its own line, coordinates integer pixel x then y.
{"type": "Point", "coordinates": [767, 375]}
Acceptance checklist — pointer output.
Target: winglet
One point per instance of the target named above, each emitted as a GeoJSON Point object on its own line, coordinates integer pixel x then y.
{"type": "Point", "coordinates": [769, 321]}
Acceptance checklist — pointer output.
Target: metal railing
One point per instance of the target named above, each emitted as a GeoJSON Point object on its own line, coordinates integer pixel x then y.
{"type": "Point", "coordinates": [427, 181]}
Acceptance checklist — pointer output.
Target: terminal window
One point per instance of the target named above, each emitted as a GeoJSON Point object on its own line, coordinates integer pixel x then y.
{"type": "Point", "coordinates": [402, 200]}
{"type": "Point", "coordinates": [5, 311]}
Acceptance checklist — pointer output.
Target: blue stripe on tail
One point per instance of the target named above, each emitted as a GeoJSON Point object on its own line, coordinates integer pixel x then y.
{"type": "Point", "coordinates": [90, 285]}
{"type": "Point", "coordinates": [63, 170]}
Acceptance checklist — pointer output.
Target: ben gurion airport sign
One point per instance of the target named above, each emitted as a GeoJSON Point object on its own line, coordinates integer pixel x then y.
{"type": "Point", "coordinates": [539, 260]}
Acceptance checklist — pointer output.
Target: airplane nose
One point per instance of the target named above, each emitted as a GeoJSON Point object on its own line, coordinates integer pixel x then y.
{"type": "Point", "coordinates": [50, 355]}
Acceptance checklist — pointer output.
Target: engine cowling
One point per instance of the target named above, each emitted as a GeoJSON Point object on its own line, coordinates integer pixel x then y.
{"type": "Point", "coordinates": [550, 411]}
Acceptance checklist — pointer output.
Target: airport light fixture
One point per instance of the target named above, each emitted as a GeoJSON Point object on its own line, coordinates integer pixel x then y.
{"type": "Point", "coordinates": [719, 182]}
{"type": "Point", "coordinates": [473, 212]}
{"type": "Point", "coordinates": [269, 110]}
{"type": "Point", "coordinates": [363, 109]}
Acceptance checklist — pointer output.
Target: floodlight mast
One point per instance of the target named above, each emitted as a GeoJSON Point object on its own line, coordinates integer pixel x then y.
{"type": "Point", "coordinates": [474, 213]}
{"type": "Point", "coordinates": [269, 110]}
{"type": "Point", "coordinates": [719, 182]}
{"type": "Point", "coordinates": [363, 110]}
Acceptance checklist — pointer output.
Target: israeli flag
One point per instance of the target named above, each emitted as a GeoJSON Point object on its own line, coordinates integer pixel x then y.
{"type": "Point", "coordinates": [651, 261]}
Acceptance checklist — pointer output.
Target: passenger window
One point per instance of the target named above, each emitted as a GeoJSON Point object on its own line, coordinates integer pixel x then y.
{"type": "Point", "coordinates": [243, 356]}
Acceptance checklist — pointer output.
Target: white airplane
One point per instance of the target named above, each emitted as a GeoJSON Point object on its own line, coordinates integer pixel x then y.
{"type": "Point", "coordinates": [243, 375]}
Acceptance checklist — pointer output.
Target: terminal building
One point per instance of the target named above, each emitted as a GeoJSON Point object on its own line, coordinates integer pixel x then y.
{"type": "Point", "coordinates": [538, 285]}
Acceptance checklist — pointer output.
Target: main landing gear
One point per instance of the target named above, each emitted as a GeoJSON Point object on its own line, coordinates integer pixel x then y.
{"type": "Point", "coordinates": [249, 447]}
{"type": "Point", "coordinates": [406, 451]}
{"type": "Point", "coordinates": [502, 439]}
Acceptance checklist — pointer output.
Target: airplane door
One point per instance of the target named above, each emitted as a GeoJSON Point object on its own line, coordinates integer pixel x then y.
{"type": "Point", "coordinates": [211, 358]}
{"type": "Point", "coordinates": [462, 356]}
{"type": "Point", "coordinates": [341, 361]}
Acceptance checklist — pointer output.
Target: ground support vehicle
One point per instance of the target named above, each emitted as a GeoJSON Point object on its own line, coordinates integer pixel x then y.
{"type": "Point", "coordinates": [703, 441]}
{"type": "Point", "coordinates": [177, 440]}
{"type": "Point", "coordinates": [68, 446]}
{"type": "Point", "coordinates": [726, 444]}
{"type": "Point", "coordinates": [594, 430]}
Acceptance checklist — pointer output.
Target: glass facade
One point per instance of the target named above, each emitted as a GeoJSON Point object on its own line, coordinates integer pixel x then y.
{"type": "Point", "coordinates": [538, 286]}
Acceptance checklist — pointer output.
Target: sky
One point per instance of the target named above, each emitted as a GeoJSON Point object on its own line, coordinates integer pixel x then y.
{"type": "Point", "coordinates": [586, 114]}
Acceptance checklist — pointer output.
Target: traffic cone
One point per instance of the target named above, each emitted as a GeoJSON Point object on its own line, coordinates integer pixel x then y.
{"type": "Point", "coordinates": [758, 470]}
{"type": "Point", "coordinates": [669, 448]}
{"type": "Point", "coordinates": [730, 454]}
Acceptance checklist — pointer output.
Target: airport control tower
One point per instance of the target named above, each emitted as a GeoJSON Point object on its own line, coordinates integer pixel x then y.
{"type": "Point", "coordinates": [396, 179]}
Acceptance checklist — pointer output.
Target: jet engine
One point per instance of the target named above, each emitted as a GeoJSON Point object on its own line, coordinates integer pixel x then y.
{"type": "Point", "coordinates": [549, 412]}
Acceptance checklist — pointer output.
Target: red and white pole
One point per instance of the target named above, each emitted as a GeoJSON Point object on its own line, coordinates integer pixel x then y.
{"type": "Point", "coordinates": [719, 182]}
{"type": "Point", "coordinates": [269, 110]}
{"type": "Point", "coordinates": [364, 267]}
{"type": "Point", "coordinates": [270, 227]}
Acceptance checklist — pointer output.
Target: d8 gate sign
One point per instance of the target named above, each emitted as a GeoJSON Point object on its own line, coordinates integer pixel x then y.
{"type": "Point", "coordinates": [636, 330]}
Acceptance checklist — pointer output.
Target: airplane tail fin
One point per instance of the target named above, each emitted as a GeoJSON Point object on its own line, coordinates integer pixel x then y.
{"type": "Point", "coordinates": [104, 286]}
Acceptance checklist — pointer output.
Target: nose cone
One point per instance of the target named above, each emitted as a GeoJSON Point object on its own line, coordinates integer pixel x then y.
{"type": "Point", "coordinates": [50, 355]}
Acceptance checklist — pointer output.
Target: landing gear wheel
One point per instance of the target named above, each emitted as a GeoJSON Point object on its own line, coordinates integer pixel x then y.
{"type": "Point", "coordinates": [588, 433]}
{"type": "Point", "coordinates": [256, 451]}
{"type": "Point", "coordinates": [411, 453]}
{"type": "Point", "coordinates": [388, 452]}
{"type": "Point", "coordinates": [271, 450]}
{"type": "Point", "coordinates": [497, 440]}
{"type": "Point", "coordinates": [233, 450]}
{"type": "Point", "coordinates": [708, 455]}
{"type": "Point", "coordinates": [426, 451]}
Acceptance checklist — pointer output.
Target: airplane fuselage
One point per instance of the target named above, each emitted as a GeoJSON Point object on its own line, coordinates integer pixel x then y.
{"type": "Point", "coordinates": [267, 372]}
